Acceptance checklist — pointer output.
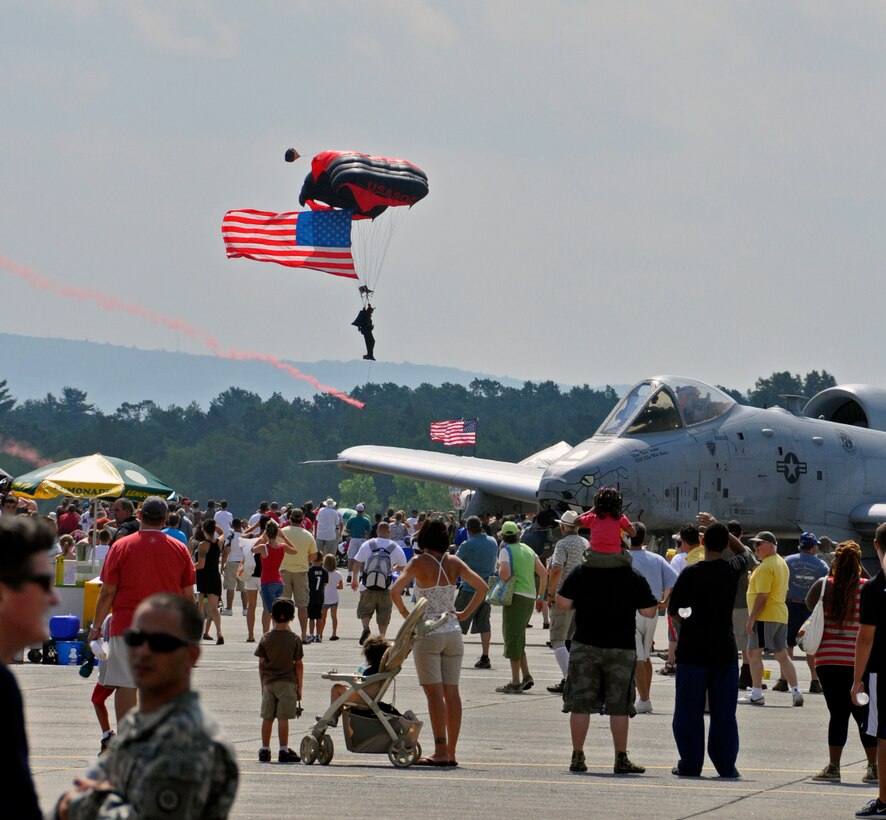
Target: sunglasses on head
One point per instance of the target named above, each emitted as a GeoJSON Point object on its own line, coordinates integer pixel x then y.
{"type": "Point", "coordinates": [156, 641]}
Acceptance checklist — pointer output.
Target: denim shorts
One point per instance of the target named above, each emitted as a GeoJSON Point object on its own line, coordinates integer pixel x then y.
{"type": "Point", "coordinates": [270, 593]}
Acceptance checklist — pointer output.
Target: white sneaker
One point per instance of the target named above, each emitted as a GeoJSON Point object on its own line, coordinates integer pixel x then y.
{"type": "Point", "coordinates": [227, 612]}
{"type": "Point", "coordinates": [798, 699]}
{"type": "Point", "coordinates": [643, 707]}
{"type": "Point", "coordinates": [245, 612]}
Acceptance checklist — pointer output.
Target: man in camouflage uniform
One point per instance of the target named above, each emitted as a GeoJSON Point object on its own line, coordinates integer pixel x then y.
{"type": "Point", "coordinates": [168, 759]}
{"type": "Point", "coordinates": [602, 658]}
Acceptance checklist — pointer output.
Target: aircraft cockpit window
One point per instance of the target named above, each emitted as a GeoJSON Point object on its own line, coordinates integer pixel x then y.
{"type": "Point", "coordinates": [668, 403]}
{"type": "Point", "coordinates": [658, 416]}
{"type": "Point", "coordinates": [624, 411]}
{"type": "Point", "coordinates": [700, 402]}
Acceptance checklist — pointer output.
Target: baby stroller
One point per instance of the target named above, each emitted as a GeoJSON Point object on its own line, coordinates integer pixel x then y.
{"type": "Point", "coordinates": [341, 553]}
{"type": "Point", "coordinates": [376, 727]}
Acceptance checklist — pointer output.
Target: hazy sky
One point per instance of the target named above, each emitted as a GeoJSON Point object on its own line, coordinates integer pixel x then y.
{"type": "Point", "coordinates": [617, 189]}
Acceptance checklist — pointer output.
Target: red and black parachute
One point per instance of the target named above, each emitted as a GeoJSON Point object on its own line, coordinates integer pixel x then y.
{"type": "Point", "coordinates": [365, 184]}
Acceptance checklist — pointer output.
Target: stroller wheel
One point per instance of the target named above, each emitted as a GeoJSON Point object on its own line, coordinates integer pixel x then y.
{"type": "Point", "coordinates": [309, 749]}
{"type": "Point", "coordinates": [404, 752]}
{"type": "Point", "coordinates": [327, 749]}
{"type": "Point", "coordinates": [35, 655]}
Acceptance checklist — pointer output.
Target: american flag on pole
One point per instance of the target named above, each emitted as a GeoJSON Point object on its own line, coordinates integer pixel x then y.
{"type": "Point", "coordinates": [303, 239]}
{"type": "Point", "coordinates": [455, 433]}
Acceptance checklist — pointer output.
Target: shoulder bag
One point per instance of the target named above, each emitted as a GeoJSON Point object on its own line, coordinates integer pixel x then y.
{"type": "Point", "coordinates": [809, 635]}
{"type": "Point", "coordinates": [501, 592]}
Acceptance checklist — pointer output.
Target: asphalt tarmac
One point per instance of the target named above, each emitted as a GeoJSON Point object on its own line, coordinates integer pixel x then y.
{"type": "Point", "coordinates": [514, 750]}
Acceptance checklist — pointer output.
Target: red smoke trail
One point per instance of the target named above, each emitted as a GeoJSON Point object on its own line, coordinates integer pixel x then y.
{"type": "Point", "coordinates": [15, 448]}
{"type": "Point", "coordinates": [112, 303]}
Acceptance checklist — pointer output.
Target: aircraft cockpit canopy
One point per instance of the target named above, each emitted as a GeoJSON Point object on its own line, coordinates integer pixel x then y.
{"type": "Point", "coordinates": [663, 404]}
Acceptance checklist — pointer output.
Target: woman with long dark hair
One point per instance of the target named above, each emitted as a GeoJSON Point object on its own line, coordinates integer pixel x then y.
{"type": "Point", "coordinates": [209, 585]}
{"type": "Point", "coordinates": [835, 658]}
{"type": "Point", "coordinates": [438, 654]}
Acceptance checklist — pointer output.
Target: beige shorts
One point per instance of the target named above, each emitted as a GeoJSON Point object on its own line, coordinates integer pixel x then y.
{"type": "Point", "coordinates": [231, 581]}
{"type": "Point", "coordinates": [327, 546]}
{"type": "Point", "coordinates": [377, 602]}
{"type": "Point", "coordinates": [644, 635]}
{"type": "Point", "coordinates": [562, 626]}
{"type": "Point", "coordinates": [278, 700]}
{"type": "Point", "coordinates": [118, 673]}
{"type": "Point", "coordinates": [295, 586]}
{"type": "Point", "coordinates": [438, 657]}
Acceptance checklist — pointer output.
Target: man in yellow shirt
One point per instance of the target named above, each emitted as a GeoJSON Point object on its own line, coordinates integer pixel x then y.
{"type": "Point", "coordinates": [692, 544]}
{"type": "Point", "coordinates": [294, 567]}
{"type": "Point", "coordinates": [768, 619]}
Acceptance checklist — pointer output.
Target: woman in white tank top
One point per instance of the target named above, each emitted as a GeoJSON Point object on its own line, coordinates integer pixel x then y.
{"type": "Point", "coordinates": [438, 654]}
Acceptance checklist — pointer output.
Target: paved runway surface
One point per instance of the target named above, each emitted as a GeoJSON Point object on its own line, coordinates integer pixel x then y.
{"type": "Point", "coordinates": [514, 749]}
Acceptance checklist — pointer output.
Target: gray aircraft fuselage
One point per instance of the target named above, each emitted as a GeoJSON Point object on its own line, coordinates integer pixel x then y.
{"type": "Point", "coordinates": [676, 446]}
{"type": "Point", "coordinates": [769, 469]}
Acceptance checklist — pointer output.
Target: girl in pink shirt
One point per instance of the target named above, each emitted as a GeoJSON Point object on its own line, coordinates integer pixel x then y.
{"type": "Point", "coordinates": [606, 523]}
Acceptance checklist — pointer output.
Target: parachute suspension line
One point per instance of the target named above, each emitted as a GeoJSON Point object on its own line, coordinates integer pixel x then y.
{"type": "Point", "coordinates": [365, 295]}
{"type": "Point", "coordinates": [371, 239]}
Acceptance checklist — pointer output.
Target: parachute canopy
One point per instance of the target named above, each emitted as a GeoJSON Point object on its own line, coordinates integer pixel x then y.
{"type": "Point", "coordinates": [364, 184]}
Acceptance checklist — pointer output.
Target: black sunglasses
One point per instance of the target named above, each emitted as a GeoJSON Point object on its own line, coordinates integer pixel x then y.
{"type": "Point", "coordinates": [46, 582]}
{"type": "Point", "coordinates": [156, 641]}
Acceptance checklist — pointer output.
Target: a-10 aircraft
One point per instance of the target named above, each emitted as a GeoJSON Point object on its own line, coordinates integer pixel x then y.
{"type": "Point", "coordinates": [675, 446]}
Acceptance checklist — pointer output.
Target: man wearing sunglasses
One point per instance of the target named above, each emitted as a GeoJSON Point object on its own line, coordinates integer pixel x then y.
{"type": "Point", "coordinates": [168, 759]}
{"type": "Point", "coordinates": [26, 592]}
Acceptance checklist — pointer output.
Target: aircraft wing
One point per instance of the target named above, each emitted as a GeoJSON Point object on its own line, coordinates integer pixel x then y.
{"type": "Point", "coordinates": [502, 478]}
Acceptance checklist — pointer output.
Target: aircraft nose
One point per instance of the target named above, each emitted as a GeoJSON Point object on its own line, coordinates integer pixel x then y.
{"type": "Point", "coordinates": [574, 479]}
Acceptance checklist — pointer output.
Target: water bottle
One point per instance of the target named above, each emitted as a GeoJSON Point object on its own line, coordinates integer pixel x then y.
{"type": "Point", "coordinates": [863, 698]}
{"type": "Point", "coordinates": [72, 656]}
{"type": "Point", "coordinates": [684, 612]}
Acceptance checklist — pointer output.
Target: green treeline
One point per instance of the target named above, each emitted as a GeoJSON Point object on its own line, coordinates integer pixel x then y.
{"type": "Point", "coordinates": [246, 449]}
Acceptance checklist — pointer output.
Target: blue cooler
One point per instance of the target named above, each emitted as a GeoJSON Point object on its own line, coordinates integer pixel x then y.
{"type": "Point", "coordinates": [69, 652]}
{"type": "Point", "coordinates": [64, 627]}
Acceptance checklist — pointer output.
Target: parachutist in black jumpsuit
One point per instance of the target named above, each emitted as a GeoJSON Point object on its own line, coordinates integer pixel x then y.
{"type": "Point", "coordinates": [363, 323]}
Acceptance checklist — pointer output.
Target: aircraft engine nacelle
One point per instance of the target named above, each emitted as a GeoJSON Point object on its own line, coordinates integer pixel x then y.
{"type": "Point", "coordinates": [857, 405]}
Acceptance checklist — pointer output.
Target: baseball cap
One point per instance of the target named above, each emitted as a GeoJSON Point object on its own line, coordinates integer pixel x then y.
{"type": "Point", "coordinates": [361, 507]}
{"type": "Point", "coordinates": [509, 528]}
{"type": "Point", "coordinates": [808, 539]}
{"type": "Point", "coordinates": [765, 535]}
{"type": "Point", "coordinates": [569, 518]}
{"type": "Point", "coordinates": [154, 508]}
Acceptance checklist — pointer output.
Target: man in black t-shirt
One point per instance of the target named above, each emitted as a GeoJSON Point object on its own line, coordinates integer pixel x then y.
{"type": "Point", "coordinates": [603, 656]}
{"type": "Point", "coordinates": [870, 669]}
{"type": "Point", "coordinates": [707, 666]}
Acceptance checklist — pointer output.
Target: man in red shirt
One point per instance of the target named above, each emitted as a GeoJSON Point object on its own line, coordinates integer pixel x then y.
{"type": "Point", "coordinates": [68, 520]}
{"type": "Point", "coordinates": [138, 566]}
